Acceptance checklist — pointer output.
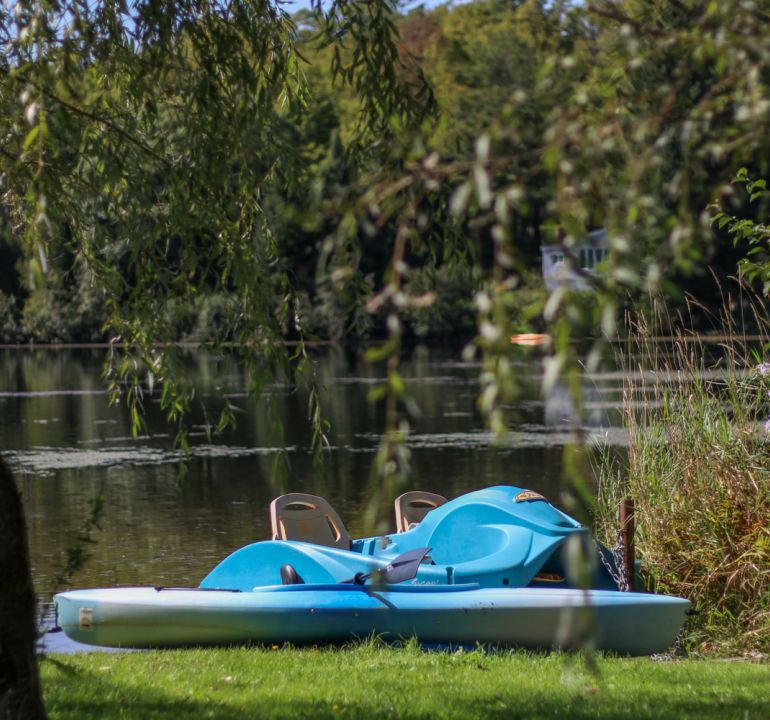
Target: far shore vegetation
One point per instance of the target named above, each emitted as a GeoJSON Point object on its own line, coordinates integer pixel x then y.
{"type": "Point", "coordinates": [501, 68]}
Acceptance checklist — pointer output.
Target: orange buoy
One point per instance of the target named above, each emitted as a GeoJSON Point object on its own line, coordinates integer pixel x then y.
{"type": "Point", "coordinates": [530, 339]}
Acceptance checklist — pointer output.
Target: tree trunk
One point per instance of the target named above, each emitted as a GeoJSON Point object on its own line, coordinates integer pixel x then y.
{"type": "Point", "coordinates": [20, 693]}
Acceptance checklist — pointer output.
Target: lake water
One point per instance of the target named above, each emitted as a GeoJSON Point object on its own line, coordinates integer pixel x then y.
{"type": "Point", "coordinates": [66, 444]}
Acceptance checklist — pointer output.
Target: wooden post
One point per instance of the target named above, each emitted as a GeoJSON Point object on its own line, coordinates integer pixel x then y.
{"type": "Point", "coordinates": [627, 532]}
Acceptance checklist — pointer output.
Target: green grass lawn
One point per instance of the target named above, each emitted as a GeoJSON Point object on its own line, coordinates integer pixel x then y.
{"type": "Point", "coordinates": [370, 681]}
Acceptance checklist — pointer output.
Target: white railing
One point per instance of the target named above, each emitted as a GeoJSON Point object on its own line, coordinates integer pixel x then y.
{"type": "Point", "coordinates": [574, 270]}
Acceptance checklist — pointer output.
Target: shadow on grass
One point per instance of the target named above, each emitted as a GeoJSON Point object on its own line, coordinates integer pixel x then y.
{"type": "Point", "coordinates": [172, 709]}
{"type": "Point", "coordinates": [99, 698]}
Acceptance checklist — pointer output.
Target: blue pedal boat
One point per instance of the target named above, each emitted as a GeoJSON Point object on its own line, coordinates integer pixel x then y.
{"type": "Point", "coordinates": [497, 537]}
{"type": "Point", "coordinates": [483, 568]}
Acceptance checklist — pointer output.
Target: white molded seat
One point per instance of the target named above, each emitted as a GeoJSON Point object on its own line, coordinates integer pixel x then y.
{"type": "Point", "coordinates": [300, 516]}
{"type": "Point", "coordinates": [413, 506]}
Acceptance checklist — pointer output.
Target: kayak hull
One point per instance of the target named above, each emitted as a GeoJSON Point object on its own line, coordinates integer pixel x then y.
{"type": "Point", "coordinates": [142, 617]}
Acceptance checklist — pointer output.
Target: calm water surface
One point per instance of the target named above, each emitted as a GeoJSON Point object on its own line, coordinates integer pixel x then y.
{"type": "Point", "coordinates": [66, 445]}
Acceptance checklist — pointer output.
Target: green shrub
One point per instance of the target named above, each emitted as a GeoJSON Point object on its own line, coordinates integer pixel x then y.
{"type": "Point", "coordinates": [64, 307]}
{"type": "Point", "coordinates": [451, 314]}
{"type": "Point", "coordinates": [9, 323]}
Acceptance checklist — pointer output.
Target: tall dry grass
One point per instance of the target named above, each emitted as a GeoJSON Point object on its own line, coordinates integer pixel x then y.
{"type": "Point", "coordinates": [698, 467]}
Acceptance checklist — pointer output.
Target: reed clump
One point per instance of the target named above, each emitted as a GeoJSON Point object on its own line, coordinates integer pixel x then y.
{"type": "Point", "coordinates": [698, 467]}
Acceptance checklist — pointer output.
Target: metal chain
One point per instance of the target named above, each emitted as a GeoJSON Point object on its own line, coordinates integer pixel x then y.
{"type": "Point", "coordinates": [620, 576]}
{"type": "Point", "coordinates": [619, 572]}
{"type": "Point", "coordinates": [677, 651]}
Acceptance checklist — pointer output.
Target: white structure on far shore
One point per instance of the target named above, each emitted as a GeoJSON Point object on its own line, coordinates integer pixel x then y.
{"type": "Point", "coordinates": [575, 270]}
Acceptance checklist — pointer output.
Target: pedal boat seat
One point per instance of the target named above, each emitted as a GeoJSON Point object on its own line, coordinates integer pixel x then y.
{"type": "Point", "coordinates": [309, 518]}
{"type": "Point", "coordinates": [412, 507]}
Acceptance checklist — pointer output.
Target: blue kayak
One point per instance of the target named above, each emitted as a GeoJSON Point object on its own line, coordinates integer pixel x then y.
{"type": "Point", "coordinates": [626, 623]}
{"type": "Point", "coordinates": [483, 568]}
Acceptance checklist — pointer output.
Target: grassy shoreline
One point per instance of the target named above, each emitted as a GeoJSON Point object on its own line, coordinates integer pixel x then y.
{"type": "Point", "coordinates": [373, 681]}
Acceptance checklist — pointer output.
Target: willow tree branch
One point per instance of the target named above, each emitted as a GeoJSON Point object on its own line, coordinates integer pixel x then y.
{"type": "Point", "coordinates": [101, 120]}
